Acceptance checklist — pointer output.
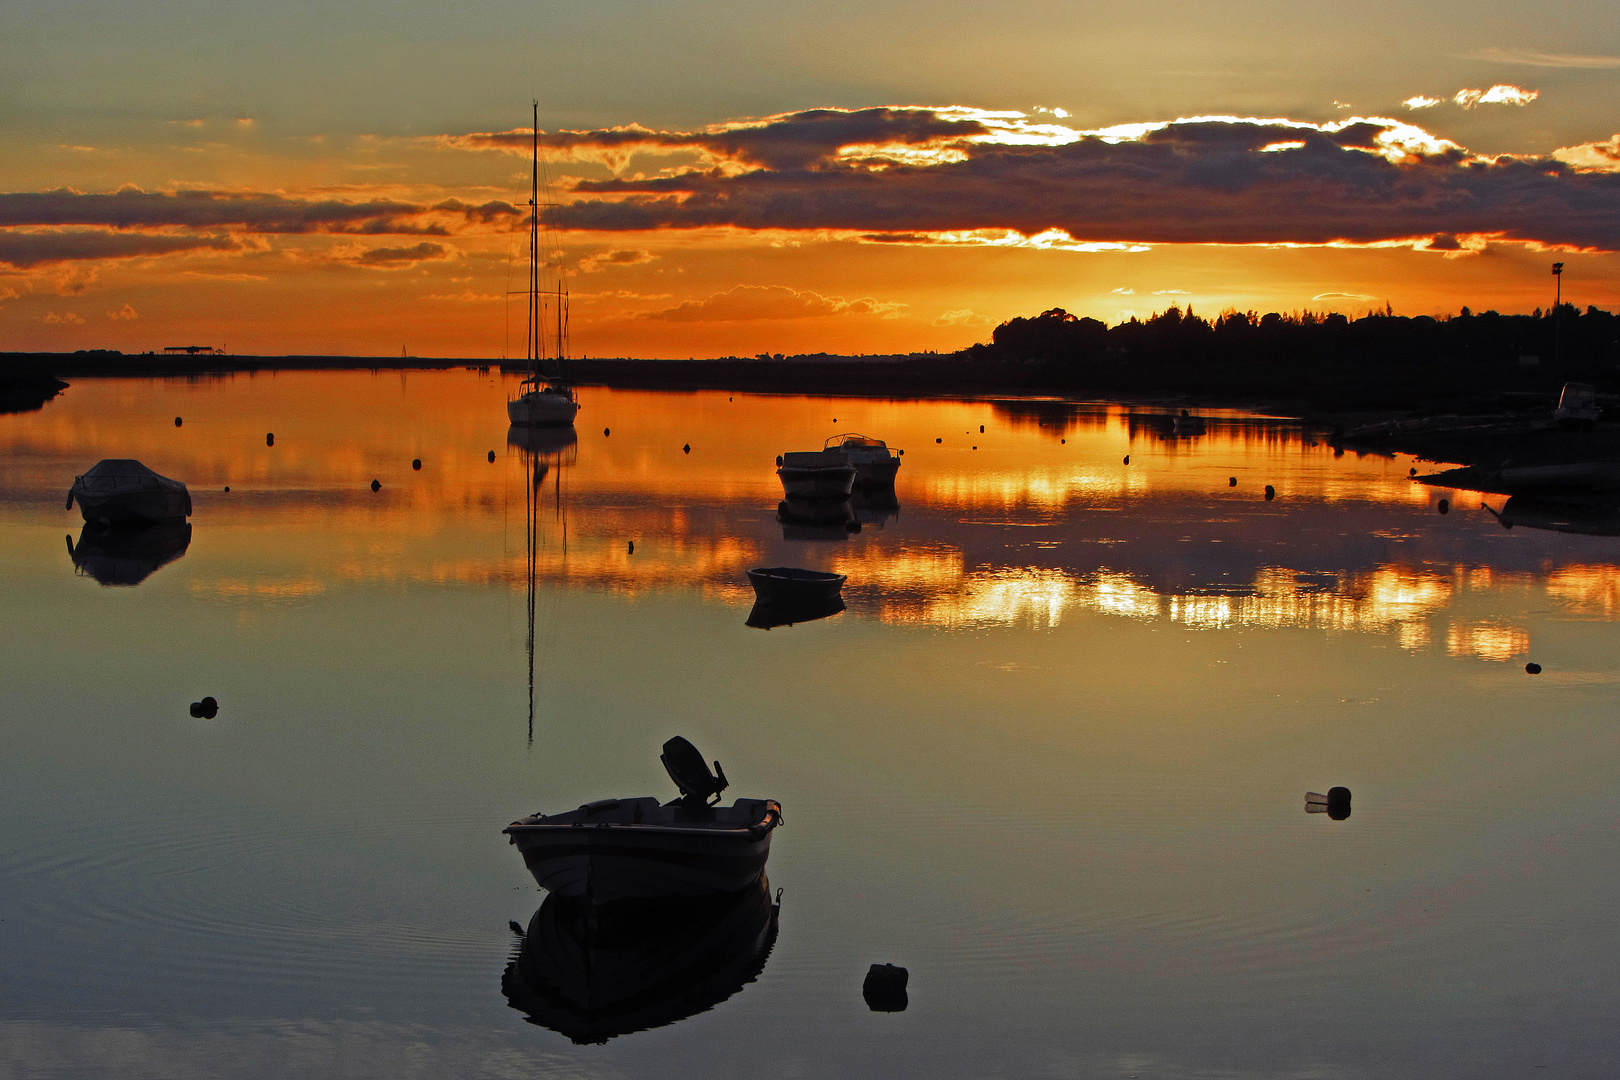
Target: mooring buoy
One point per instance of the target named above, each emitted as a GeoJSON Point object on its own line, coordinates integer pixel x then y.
{"type": "Point", "coordinates": [416, 463]}
{"type": "Point", "coordinates": [376, 485]}
{"type": "Point", "coordinates": [1532, 669]}
{"type": "Point", "coordinates": [270, 438]}
{"type": "Point", "coordinates": [1271, 493]}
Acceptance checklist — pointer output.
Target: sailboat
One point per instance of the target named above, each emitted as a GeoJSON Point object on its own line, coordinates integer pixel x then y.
{"type": "Point", "coordinates": [544, 400]}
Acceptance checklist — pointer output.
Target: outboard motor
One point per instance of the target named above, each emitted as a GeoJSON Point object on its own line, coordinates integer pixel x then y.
{"type": "Point", "coordinates": [699, 787]}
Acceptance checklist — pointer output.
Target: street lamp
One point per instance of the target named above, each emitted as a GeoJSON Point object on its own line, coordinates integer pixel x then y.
{"type": "Point", "coordinates": [1558, 302]}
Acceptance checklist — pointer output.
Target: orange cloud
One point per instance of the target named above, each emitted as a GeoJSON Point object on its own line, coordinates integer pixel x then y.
{"type": "Point", "coordinates": [753, 302]}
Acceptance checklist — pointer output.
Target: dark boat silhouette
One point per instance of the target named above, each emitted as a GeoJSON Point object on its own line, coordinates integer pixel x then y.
{"type": "Point", "coordinates": [593, 974]}
{"type": "Point", "coordinates": [794, 586]}
{"type": "Point", "coordinates": [816, 519]}
{"type": "Point", "coordinates": [630, 849]}
{"type": "Point", "coordinates": [1586, 518]}
{"type": "Point", "coordinates": [557, 444]}
{"type": "Point", "coordinates": [128, 554]}
{"type": "Point", "coordinates": [123, 490]}
{"type": "Point", "coordinates": [874, 505]}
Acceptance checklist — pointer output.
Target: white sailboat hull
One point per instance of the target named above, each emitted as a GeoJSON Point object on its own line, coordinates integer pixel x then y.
{"type": "Point", "coordinates": [540, 409]}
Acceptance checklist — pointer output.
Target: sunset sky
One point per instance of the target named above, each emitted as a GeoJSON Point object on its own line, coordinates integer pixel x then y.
{"type": "Point", "coordinates": [743, 178]}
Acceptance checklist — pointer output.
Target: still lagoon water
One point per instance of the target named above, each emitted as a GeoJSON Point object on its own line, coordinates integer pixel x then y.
{"type": "Point", "coordinates": [1052, 758]}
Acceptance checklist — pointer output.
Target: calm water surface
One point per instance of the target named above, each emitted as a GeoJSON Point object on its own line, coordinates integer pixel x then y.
{"type": "Point", "coordinates": [1052, 758]}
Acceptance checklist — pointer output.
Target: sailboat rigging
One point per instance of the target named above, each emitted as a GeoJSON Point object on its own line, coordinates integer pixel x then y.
{"type": "Point", "coordinates": [544, 399]}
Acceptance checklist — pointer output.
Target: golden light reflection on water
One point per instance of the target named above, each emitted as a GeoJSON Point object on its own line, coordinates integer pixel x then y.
{"type": "Point", "coordinates": [1009, 514]}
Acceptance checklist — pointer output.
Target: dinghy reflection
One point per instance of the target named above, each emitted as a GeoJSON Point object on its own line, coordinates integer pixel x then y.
{"type": "Point", "coordinates": [1587, 518]}
{"type": "Point", "coordinates": [766, 616]}
{"type": "Point", "coordinates": [129, 553]}
{"type": "Point", "coordinates": [593, 973]}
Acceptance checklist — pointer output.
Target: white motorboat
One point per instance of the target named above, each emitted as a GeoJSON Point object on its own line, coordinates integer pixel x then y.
{"type": "Point", "coordinates": [875, 464]}
{"type": "Point", "coordinates": [816, 474]}
{"type": "Point", "coordinates": [123, 490]}
{"type": "Point", "coordinates": [1578, 407]}
{"type": "Point", "coordinates": [634, 849]}
{"type": "Point", "coordinates": [544, 399]}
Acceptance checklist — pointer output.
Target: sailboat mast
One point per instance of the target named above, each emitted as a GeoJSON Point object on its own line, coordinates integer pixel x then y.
{"type": "Point", "coordinates": [534, 244]}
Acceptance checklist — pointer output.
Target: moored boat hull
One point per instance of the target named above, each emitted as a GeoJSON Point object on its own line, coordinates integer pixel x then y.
{"type": "Point", "coordinates": [540, 409]}
{"type": "Point", "coordinates": [791, 585]}
{"type": "Point", "coordinates": [606, 861]}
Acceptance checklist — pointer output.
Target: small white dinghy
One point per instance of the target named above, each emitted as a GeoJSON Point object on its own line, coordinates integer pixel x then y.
{"type": "Point", "coordinates": [120, 490]}
{"type": "Point", "coordinates": [635, 849]}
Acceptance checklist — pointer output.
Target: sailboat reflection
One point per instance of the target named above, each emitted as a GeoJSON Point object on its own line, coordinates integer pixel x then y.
{"type": "Point", "coordinates": [1589, 518]}
{"type": "Point", "coordinates": [816, 519]}
{"type": "Point", "coordinates": [595, 973]}
{"type": "Point", "coordinates": [128, 554]}
{"type": "Point", "coordinates": [542, 447]}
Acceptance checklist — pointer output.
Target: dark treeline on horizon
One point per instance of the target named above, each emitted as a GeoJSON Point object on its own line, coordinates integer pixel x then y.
{"type": "Point", "coordinates": [1376, 360]}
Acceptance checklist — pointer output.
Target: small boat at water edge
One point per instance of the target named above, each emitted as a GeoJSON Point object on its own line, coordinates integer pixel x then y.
{"type": "Point", "coordinates": [123, 490]}
{"type": "Point", "coordinates": [816, 474]}
{"type": "Point", "coordinates": [792, 585]}
{"type": "Point", "coordinates": [594, 974]}
{"type": "Point", "coordinates": [634, 849]}
{"type": "Point", "coordinates": [875, 464]}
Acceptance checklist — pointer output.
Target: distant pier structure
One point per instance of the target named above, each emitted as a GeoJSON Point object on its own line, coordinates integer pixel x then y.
{"type": "Point", "coordinates": [192, 350]}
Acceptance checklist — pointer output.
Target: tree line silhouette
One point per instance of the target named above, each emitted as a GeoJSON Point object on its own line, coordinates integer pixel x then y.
{"type": "Point", "coordinates": [1377, 360]}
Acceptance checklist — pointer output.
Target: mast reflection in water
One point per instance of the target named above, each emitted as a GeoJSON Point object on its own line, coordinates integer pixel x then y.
{"type": "Point", "coordinates": [542, 447]}
{"type": "Point", "coordinates": [593, 973]}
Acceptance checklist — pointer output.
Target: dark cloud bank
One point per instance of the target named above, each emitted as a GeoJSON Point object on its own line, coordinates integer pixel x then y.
{"type": "Point", "coordinates": [89, 216]}
{"type": "Point", "coordinates": [1208, 181]}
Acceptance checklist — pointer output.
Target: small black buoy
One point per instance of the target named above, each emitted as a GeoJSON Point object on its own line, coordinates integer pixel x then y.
{"type": "Point", "coordinates": [1271, 493]}
{"type": "Point", "coordinates": [687, 449]}
{"type": "Point", "coordinates": [631, 550]}
{"type": "Point", "coordinates": [981, 429]}
{"type": "Point", "coordinates": [1444, 506]}
{"type": "Point", "coordinates": [1127, 459]}
{"type": "Point", "coordinates": [1411, 472]}
{"type": "Point", "coordinates": [416, 463]}
{"type": "Point", "coordinates": [606, 432]}
{"type": "Point", "coordinates": [177, 421]}
{"type": "Point", "coordinates": [885, 988]}
{"type": "Point", "coordinates": [1532, 669]}
{"type": "Point", "coordinates": [975, 448]}
{"type": "Point", "coordinates": [1338, 802]}
{"type": "Point", "coordinates": [227, 487]}
{"type": "Point", "coordinates": [1231, 481]}
{"type": "Point", "coordinates": [1062, 441]}
{"type": "Point", "coordinates": [270, 438]}
{"type": "Point", "coordinates": [492, 456]}
{"type": "Point", "coordinates": [206, 709]}
{"type": "Point", "coordinates": [376, 485]}
{"type": "Point", "coordinates": [835, 419]}
{"type": "Point", "coordinates": [939, 440]}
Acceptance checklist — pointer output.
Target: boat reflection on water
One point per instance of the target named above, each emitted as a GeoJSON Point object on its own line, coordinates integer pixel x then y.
{"type": "Point", "coordinates": [128, 554]}
{"type": "Point", "coordinates": [874, 505]}
{"type": "Point", "coordinates": [767, 616]}
{"type": "Point", "coordinates": [554, 445]}
{"type": "Point", "coordinates": [816, 519]}
{"type": "Point", "coordinates": [595, 973]}
{"type": "Point", "coordinates": [1588, 518]}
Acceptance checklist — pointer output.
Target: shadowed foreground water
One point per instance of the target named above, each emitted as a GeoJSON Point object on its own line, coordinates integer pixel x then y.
{"type": "Point", "coordinates": [1051, 758]}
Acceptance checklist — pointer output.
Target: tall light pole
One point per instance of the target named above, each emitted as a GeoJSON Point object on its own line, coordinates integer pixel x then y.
{"type": "Point", "coordinates": [1558, 323]}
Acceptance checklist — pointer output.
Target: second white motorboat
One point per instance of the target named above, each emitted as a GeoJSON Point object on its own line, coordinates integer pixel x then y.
{"type": "Point", "coordinates": [875, 464]}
